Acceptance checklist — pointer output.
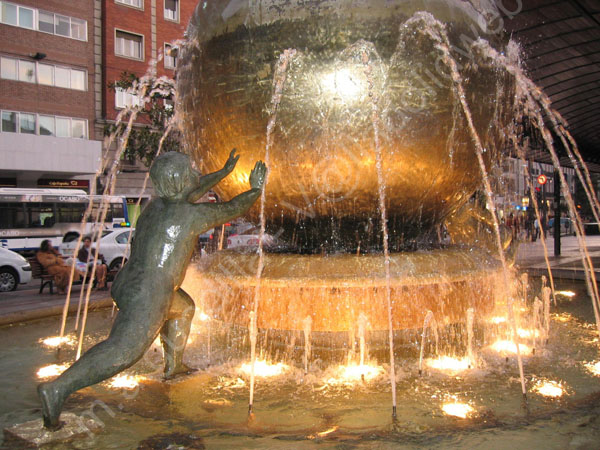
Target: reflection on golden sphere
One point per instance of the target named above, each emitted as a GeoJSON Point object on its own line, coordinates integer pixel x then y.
{"type": "Point", "coordinates": [352, 68]}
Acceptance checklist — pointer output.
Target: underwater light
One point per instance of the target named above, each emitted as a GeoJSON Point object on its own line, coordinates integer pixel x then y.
{"type": "Point", "coordinates": [549, 388]}
{"type": "Point", "coordinates": [593, 367]}
{"type": "Point", "coordinates": [449, 364]}
{"type": "Point", "coordinates": [505, 346]}
{"type": "Point", "coordinates": [569, 294]}
{"type": "Point", "coordinates": [365, 372]}
{"type": "Point", "coordinates": [354, 373]}
{"type": "Point", "coordinates": [263, 368]}
{"type": "Point", "coordinates": [55, 341]}
{"type": "Point", "coordinates": [457, 409]}
{"type": "Point", "coordinates": [125, 381]}
{"type": "Point", "coordinates": [52, 370]}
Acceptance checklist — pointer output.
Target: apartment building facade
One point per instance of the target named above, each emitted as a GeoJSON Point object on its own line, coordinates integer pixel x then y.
{"type": "Point", "coordinates": [58, 59]}
{"type": "Point", "coordinates": [47, 99]}
{"type": "Point", "coordinates": [135, 35]}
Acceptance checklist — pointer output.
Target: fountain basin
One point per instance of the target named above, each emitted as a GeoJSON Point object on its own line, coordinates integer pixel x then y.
{"type": "Point", "coordinates": [295, 409]}
{"type": "Point", "coordinates": [334, 290]}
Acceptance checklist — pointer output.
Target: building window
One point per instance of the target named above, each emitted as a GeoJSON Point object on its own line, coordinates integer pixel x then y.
{"type": "Point", "coordinates": [43, 125]}
{"type": "Point", "coordinates": [170, 59]}
{"type": "Point", "coordinates": [78, 29]}
{"type": "Point", "coordinates": [47, 22]}
{"type": "Point", "coordinates": [9, 14]}
{"type": "Point", "coordinates": [8, 69]}
{"type": "Point", "coordinates": [26, 17]}
{"type": "Point", "coordinates": [46, 74]}
{"type": "Point", "coordinates": [125, 99]}
{"type": "Point", "coordinates": [62, 77]}
{"type": "Point", "coordinates": [129, 45]}
{"type": "Point", "coordinates": [79, 128]}
{"type": "Point", "coordinates": [27, 71]}
{"type": "Point", "coordinates": [17, 15]}
{"type": "Point", "coordinates": [63, 127]}
{"type": "Point", "coordinates": [172, 10]}
{"type": "Point", "coordinates": [134, 3]}
{"type": "Point", "coordinates": [46, 125]}
{"type": "Point", "coordinates": [27, 123]}
{"type": "Point", "coordinates": [9, 122]}
{"type": "Point", "coordinates": [77, 80]}
{"type": "Point", "coordinates": [62, 25]}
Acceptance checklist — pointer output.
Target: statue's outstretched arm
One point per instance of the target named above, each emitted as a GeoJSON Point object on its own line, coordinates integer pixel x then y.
{"type": "Point", "coordinates": [208, 181]}
{"type": "Point", "coordinates": [219, 213]}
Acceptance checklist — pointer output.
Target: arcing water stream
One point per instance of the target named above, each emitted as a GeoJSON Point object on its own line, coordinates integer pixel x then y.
{"type": "Point", "coordinates": [278, 83]}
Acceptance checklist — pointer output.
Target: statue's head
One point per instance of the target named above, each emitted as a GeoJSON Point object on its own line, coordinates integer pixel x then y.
{"type": "Point", "coordinates": [173, 175]}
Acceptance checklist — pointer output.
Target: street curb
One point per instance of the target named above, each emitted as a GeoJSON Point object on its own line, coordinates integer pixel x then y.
{"type": "Point", "coordinates": [563, 274]}
{"type": "Point", "coordinates": [40, 313]}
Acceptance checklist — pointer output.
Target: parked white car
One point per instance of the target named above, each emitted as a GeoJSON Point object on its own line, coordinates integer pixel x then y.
{"type": "Point", "coordinates": [14, 270]}
{"type": "Point", "coordinates": [249, 238]}
{"type": "Point", "coordinates": [113, 246]}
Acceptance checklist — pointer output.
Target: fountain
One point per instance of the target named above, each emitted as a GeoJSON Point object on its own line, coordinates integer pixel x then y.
{"type": "Point", "coordinates": [368, 152]}
{"type": "Point", "coordinates": [378, 125]}
{"type": "Point", "coordinates": [359, 174]}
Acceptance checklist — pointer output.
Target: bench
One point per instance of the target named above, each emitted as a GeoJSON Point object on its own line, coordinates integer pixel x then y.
{"type": "Point", "coordinates": [39, 272]}
{"type": "Point", "coordinates": [111, 274]}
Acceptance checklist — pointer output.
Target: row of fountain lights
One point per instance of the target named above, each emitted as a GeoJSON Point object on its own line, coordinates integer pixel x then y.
{"type": "Point", "coordinates": [352, 374]}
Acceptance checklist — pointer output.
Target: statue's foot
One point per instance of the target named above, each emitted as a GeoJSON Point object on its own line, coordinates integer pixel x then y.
{"type": "Point", "coordinates": [51, 405]}
{"type": "Point", "coordinates": [177, 371]}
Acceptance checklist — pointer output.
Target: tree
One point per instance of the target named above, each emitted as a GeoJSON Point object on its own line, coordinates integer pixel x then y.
{"type": "Point", "coordinates": [152, 99]}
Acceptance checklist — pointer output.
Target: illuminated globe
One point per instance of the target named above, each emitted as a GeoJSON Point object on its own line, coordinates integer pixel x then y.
{"type": "Point", "coordinates": [327, 76]}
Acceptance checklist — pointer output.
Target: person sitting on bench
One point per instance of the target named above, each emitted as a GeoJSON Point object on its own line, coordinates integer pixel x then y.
{"type": "Point", "coordinates": [85, 252]}
{"type": "Point", "coordinates": [52, 261]}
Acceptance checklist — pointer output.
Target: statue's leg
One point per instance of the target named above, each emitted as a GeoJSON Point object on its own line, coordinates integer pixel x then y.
{"type": "Point", "coordinates": [175, 332]}
{"type": "Point", "coordinates": [131, 335]}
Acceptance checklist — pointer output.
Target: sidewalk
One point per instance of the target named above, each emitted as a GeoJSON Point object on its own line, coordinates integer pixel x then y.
{"type": "Point", "coordinates": [530, 257]}
{"type": "Point", "coordinates": [27, 304]}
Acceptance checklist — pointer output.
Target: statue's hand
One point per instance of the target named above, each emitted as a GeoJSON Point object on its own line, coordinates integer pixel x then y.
{"type": "Point", "coordinates": [231, 162]}
{"type": "Point", "coordinates": [258, 175]}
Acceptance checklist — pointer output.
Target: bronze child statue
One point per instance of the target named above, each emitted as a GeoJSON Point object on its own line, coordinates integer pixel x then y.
{"type": "Point", "coordinates": [147, 290]}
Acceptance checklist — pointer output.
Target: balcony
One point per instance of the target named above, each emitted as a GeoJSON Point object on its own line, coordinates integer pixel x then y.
{"type": "Point", "coordinates": [32, 153]}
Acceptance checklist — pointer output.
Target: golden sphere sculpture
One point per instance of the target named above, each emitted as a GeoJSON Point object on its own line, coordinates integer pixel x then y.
{"type": "Point", "coordinates": [329, 86]}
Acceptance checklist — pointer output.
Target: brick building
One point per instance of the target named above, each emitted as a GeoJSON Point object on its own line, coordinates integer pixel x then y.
{"type": "Point", "coordinates": [135, 32]}
{"type": "Point", "coordinates": [57, 60]}
{"type": "Point", "coordinates": [47, 101]}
